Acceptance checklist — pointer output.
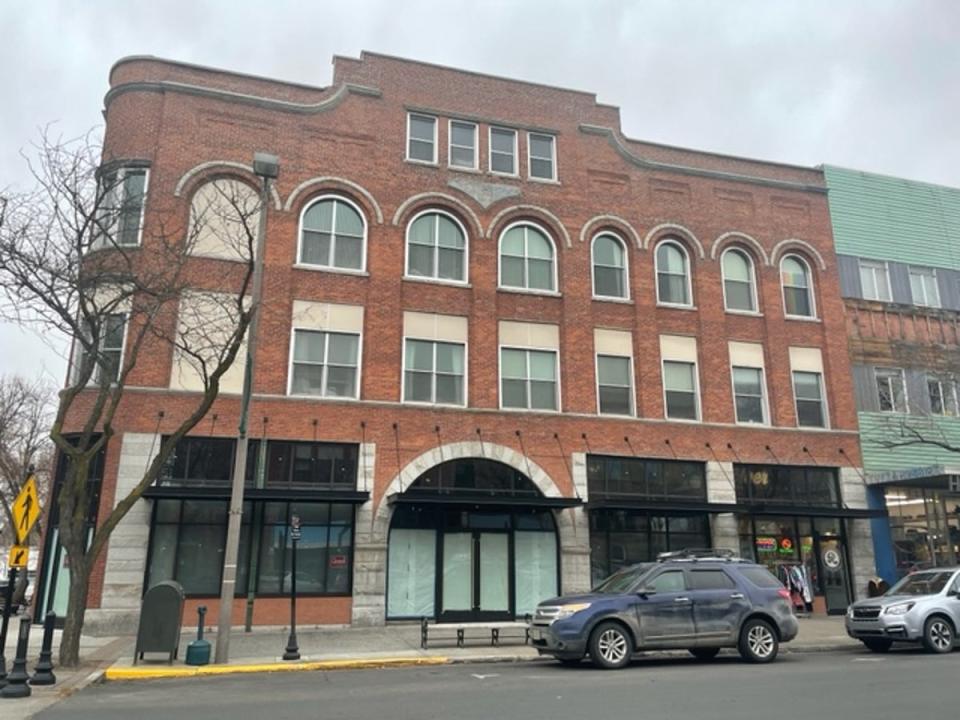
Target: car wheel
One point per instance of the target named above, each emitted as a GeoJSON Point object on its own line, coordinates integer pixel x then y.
{"type": "Point", "coordinates": [610, 646]}
{"type": "Point", "coordinates": [705, 653]}
{"type": "Point", "coordinates": [878, 645]}
{"type": "Point", "coordinates": [758, 641]}
{"type": "Point", "coordinates": [938, 635]}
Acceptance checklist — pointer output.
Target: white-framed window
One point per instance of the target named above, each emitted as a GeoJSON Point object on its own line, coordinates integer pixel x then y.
{"type": "Point", "coordinates": [422, 138]}
{"type": "Point", "coordinates": [528, 379]}
{"type": "Point", "coordinates": [434, 372]}
{"type": "Point", "coordinates": [874, 280]}
{"type": "Point", "coordinates": [680, 396]}
{"type": "Point", "coordinates": [462, 152]}
{"type": "Point", "coordinates": [333, 234]}
{"type": "Point", "coordinates": [325, 364]}
{"type": "Point", "coordinates": [120, 215]}
{"type": "Point", "coordinates": [797, 283]}
{"type": "Point", "coordinates": [673, 274]}
{"type": "Point", "coordinates": [527, 259]}
{"type": "Point", "coordinates": [614, 384]}
{"type": "Point", "coordinates": [923, 286]}
{"type": "Point", "coordinates": [610, 276]}
{"type": "Point", "coordinates": [891, 390]}
{"type": "Point", "coordinates": [541, 156]}
{"type": "Point", "coordinates": [943, 395]}
{"type": "Point", "coordinates": [749, 394]}
{"type": "Point", "coordinates": [739, 281]}
{"type": "Point", "coordinates": [437, 247]}
{"type": "Point", "coordinates": [503, 151]}
{"type": "Point", "coordinates": [808, 395]}
{"type": "Point", "coordinates": [110, 345]}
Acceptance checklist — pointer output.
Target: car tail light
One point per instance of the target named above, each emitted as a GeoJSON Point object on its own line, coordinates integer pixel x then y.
{"type": "Point", "coordinates": [784, 593]}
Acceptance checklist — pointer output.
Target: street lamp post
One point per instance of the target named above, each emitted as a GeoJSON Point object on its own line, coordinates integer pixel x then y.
{"type": "Point", "coordinates": [292, 651]}
{"type": "Point", "coordinates": [266, 167]}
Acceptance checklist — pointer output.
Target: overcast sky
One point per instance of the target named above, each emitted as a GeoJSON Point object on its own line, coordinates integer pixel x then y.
{"type": "Point", "coordinates": [868, 84]}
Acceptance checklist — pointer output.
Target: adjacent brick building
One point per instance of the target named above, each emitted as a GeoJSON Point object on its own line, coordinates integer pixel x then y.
{"type": "Point", "coordinates": [504, 351]}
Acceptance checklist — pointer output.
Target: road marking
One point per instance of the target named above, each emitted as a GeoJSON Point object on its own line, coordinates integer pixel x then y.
{"type": "Point", "coordinates": [867, 660]}
{"type": "Point", "coordinates": [484, 677]}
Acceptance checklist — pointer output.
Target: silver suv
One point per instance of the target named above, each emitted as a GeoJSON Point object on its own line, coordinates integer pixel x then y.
{"type": "Point", "coordinates": [923, 607]}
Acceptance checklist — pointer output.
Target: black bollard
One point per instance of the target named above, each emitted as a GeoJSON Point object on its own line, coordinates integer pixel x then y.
{"type": "Point", "coordinates": [17, 686]}
{"type": "Point", "coordinates": [43, 670]}
{"type": "Point", "coordinates": [4, 622]}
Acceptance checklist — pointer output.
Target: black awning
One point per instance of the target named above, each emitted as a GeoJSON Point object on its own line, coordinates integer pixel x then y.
{"type": "Point", "coordinates": [741, 508]}
{"type": "Point", "coordinates": [223, 493]}
{"type": "Point", "coordinates": [415, 498]}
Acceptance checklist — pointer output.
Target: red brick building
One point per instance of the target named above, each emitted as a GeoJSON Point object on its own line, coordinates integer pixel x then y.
{"type": "Point", "coordinates": [504, 350]}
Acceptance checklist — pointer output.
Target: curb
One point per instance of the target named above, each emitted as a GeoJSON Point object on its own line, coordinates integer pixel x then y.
{"type": "Point", "coordinates": [158, 673]}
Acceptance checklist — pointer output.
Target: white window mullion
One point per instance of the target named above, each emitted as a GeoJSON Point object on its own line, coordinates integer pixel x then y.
{"type": "Point", "coordinates": [433, 375]}
{"type": "Point", "coordinates": [526, 355]}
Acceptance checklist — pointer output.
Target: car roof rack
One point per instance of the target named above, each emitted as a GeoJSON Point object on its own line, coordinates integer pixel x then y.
{"type": "Point", "coordinates": [700, 554]}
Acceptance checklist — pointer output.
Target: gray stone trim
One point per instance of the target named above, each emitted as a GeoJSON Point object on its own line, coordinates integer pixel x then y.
{"type": "Point", "coordinates": [307, 184]}
{"type": "Point", "coordinates": [613, 138]}
{"type": "Point", "coordinates": [853, 489]}
{"type": "Point", "coordinates": [227, 164]}
{"type": "Point", "coordinates": [163, 86]}
{"type": "Point", "coordinates": [720, 484]}
{"type": "Point", "coordinates": [663, 229]}
{"type": "Point", "coordinates": [578, 470]}
{"type": "Point", "coordinates": [616, 221]}
{"type": "Point", "coordinates": [442, 198]}
{"type": "Point", "coordinates": [532, 208]}
{"type": "Point", "coordinates": [784, 246]}
{"type": "Point", "coordinates": [734, 236]}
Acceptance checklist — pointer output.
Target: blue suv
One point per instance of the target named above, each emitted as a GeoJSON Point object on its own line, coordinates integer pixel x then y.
{"type": "Point", "coordinates": [700, 601]}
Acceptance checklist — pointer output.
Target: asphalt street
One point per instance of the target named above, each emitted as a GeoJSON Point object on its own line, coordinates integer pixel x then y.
{"type": "Point", "coordinates": [799, 686]}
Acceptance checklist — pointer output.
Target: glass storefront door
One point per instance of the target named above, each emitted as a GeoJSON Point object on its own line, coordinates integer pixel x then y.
{"type": "Point", "coordinates": [475, 580]}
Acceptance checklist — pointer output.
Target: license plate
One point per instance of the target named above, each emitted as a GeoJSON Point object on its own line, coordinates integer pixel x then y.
{"type": "Point", "coordinates": [536, 634]}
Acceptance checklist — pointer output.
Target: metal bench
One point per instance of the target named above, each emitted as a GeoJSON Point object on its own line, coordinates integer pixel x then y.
{"type": "Point", "coordinates": [428, 628]}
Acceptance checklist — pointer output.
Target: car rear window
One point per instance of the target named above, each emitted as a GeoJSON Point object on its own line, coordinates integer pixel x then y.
{"type": "Point", "coordinates": [761, 577]}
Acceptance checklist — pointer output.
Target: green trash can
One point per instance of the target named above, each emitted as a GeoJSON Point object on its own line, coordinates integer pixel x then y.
{"type": "Point", "coordinates": [198, 651]}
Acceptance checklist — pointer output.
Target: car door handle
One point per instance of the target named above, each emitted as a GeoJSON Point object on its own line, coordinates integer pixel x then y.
{"type": "Point", "coordinates": [681, 600]}
{"type": "Point", "coordinates": [736, 596]}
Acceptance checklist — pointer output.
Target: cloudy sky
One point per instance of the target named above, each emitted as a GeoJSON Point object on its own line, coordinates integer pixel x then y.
{"type": "Point", "coordinates": [868, 84]}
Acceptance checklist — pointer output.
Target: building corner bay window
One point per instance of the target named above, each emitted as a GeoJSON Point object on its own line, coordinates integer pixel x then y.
{"type": "Point", "coordinates": [436, 248]}
{"type": "Point", "coordinates": [673, 274]}
{"type": "Point", "coordinates": [325, 364]}
{"type": "Point", "coordinates": [609, 267]}
{"type": "Point", "coordinates": [748, 394]}
{"type": "Point", "coordinates": [527, 259]}
{"type": "Point", "coordinates": [739, 291]}
{"type": "Point", "coordinates": [680, 390]}
{"type": "Point", "coordinates": [123, 193]}
{"type": "Point", "coordinates": [797, 287]}
{"type": "Point", "coordinates": [808, 392]}
{"type": "Point", "coordinates": [528, 379]}
{"type": "Point", "coordinates": [109, 350]}
{"type": "Point", "coordinates": [614, 385]}
{"type": "Point", "coordinates": [433, 372]}
{"type": "Point", "coordinates": [332, 235]}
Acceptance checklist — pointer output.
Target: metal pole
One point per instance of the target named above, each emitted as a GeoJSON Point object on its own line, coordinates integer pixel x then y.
{"type": "Point", "coordinates": [43, 670]}
{"type": "Point", "coordinates": [7, 602]}
{"type": "Point", "coordinates": [292, 651]}
{"type": "Point", "coordinates": [231, 550]}
{"type": "Point", "coordinates": [17, 686]}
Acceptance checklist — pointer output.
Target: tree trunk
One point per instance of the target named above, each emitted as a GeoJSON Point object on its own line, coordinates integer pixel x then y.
{"type": "Point", "coordinates": [76, 610]}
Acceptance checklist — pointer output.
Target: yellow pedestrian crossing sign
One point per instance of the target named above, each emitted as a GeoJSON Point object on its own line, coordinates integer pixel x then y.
{"type": "Point", "coordinates": [18, 556]}
{"type": "Point", "coordinates": [26, 509]}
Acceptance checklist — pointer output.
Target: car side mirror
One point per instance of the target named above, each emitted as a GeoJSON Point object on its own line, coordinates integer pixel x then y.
{"type": "Point", "coordinates": [646, 591]}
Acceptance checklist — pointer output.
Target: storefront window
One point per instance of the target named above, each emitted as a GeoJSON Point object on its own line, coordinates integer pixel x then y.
{"type": "Point", "coordinates": [609, 475]}
{"type": "Point", "coordinates": [786, 485]}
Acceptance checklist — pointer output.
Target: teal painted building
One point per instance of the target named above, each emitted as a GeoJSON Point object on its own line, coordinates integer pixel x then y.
{"type": "Point", "coordinates": [898, 248]}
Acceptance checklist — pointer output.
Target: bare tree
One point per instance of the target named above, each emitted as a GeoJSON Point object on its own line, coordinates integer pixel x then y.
{"type": "Point", "coordinates": [77, 259]}
{"type": "Point", "coordinates": [25, 448]}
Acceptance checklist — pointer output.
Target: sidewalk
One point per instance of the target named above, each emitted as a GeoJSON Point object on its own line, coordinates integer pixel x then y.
{"type": "Point", "coordinates": [349, 648]}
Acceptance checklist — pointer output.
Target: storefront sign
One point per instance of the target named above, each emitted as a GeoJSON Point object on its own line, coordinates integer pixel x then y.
{"type": "Point", "coordinates": [954, 481]}
{"type": "Point", "coordinates": [786, 546]}
{"type": "Point", "coordinates": [831, 558]}
{"type": "Point", "coordinates": [766, 544]}
{"type": "Point", "coordinates": [338, 560]}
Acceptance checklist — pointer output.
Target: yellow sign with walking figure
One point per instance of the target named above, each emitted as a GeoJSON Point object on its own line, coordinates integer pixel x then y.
{"type": "Point", "coordinates": [26, 509]}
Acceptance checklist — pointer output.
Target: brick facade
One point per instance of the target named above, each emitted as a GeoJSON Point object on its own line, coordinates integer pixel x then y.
{"type": "Point", "coordinates": [349, 139]}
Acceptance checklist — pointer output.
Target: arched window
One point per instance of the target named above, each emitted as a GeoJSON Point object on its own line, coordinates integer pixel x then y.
{"type": "Point", "coordinates": [739, 284]}
{"type": "Point", "coordinates": [527, 259]}
{"type": "Point", "coordinates": [436, 247]}
{"type": "Point", "coordinates": [673, 274]}
{"type": "Point", "coordinates": [797, 287]}
{"type": "Point", "coordinates": [333, 234]}
{"type": "Point", "coordinates": [609, 267]}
